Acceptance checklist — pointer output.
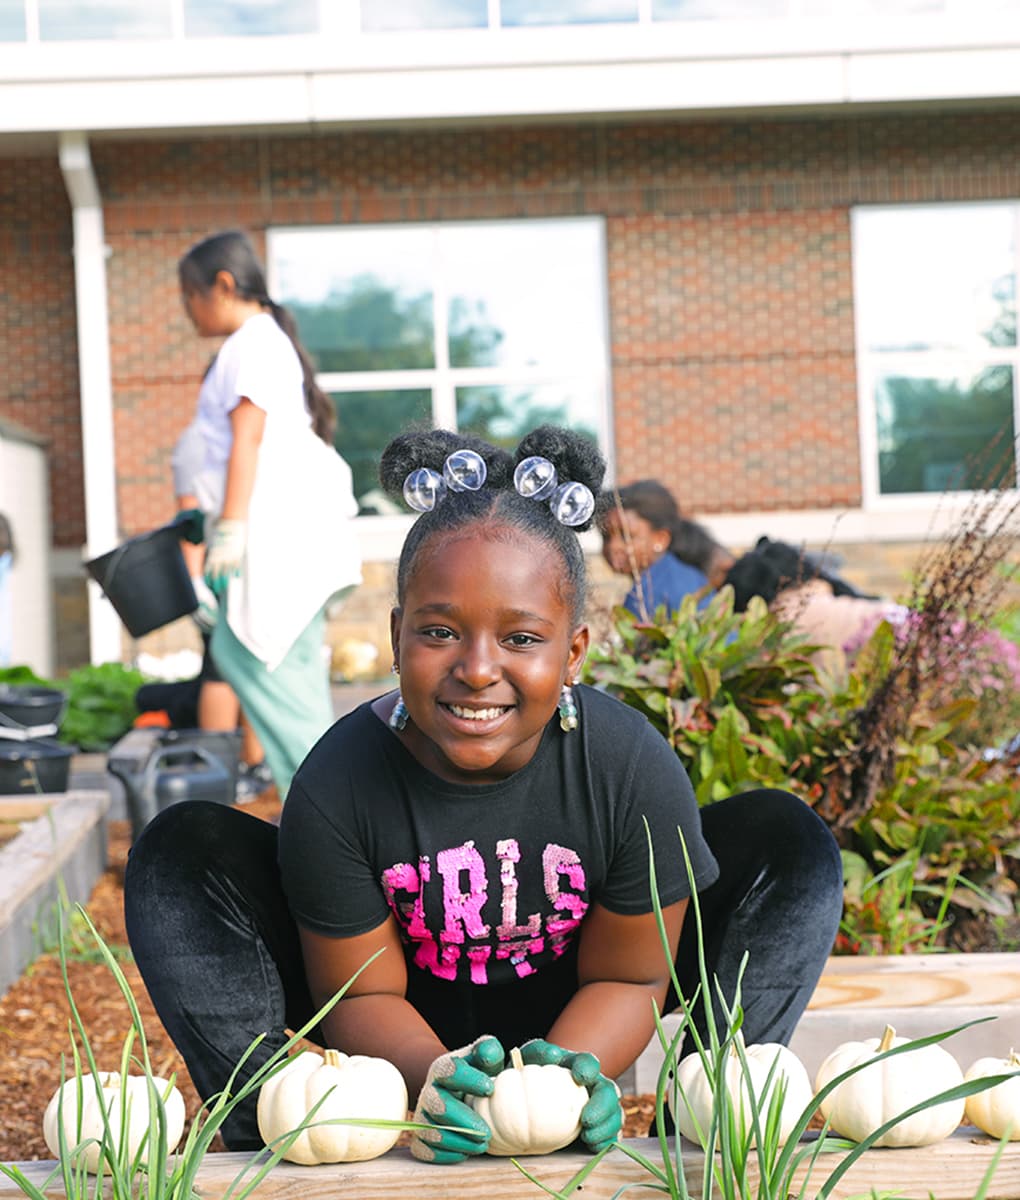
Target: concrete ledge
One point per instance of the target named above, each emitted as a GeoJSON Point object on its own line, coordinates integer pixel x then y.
{"type": "Point", "coordinates": [66, 838]}
{"type": "Point", "coordinates": [918, 994]}
{"type": "Point", "coordinates": [951, 1169]}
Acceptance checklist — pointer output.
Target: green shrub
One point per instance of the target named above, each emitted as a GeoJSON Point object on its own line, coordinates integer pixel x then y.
{"type": "Point", "coordinates": [883, 758]}
{"type": "Point", "coordinates": [100, 701]}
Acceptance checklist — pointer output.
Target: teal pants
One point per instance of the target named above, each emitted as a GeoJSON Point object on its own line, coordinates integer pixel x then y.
{"type": "Point", "coordinates": [289, 708]}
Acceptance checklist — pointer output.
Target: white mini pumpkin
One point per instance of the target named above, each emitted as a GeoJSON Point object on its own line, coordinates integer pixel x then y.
{"type": "Point", "coordinates": [62, 1110]}
{"type": "Point", "coordinates": [694, 1084]}
{"type": "Point", "coordinates": [997, 1109]}
{"type": "Point", "coordinates": [359, 1086]}
{"type": "Point", "coordinates": [875, 1094]}
{"type": "Point", "coordinates": [533, 1109]}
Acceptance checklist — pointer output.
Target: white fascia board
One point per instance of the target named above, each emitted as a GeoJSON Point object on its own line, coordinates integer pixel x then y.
{"type": "Point", "coordinates": [337, 98]}
{"type": "Point", "coordinates": [154, 104]}
{"type": "Point", "coordinates": [933, 75]}
{"type": "Point", "coordinates": [570, 90]}
{"type": "Point", "coordinates": [184, 89]}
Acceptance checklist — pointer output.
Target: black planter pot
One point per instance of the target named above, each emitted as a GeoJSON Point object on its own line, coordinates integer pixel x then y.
{"type": "Point", "coordinates": [37, 765]}
{"type": "Point", "coordinates": [31, 706]}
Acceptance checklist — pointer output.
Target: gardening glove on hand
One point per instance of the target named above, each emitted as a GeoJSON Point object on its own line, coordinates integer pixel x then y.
{"type": "Point", "coordinates": [226, 553]}
{"type": "Point", "coordinates": [452, 1077]}
{"type": "Point", "coordinates": [208, 608]}
{"type": "Point", "coordinates": [602, 1116]}
{"type": "Point", "coordinates": [190, 524]}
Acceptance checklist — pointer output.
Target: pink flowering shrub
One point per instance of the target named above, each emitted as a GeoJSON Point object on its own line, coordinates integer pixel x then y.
{"type": "Point", "coordinates": [958, 660]}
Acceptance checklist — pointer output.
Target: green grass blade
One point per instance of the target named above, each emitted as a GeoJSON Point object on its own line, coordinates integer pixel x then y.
{"type": "Point", "coordinates": [573, 1183]}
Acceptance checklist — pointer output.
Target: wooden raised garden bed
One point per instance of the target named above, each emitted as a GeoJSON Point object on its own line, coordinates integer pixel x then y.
{"type": "Point", "coordinates": [950, 1170]}
{"type": "Point", "coordinates": [54, 837]}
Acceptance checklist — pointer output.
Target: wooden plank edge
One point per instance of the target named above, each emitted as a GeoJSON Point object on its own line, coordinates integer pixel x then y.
{"type": "Point", "coordinates": [950, 1170]}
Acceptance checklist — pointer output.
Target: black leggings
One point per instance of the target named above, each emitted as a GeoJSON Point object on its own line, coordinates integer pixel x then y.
{"type": "Point", "coordinates": [221, 958]}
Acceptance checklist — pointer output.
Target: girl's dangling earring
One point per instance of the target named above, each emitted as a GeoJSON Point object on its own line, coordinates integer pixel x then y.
{"type": "Point", "coordinates": [567, 708]}
{"type": "Point", "coordinates": [398, 718]}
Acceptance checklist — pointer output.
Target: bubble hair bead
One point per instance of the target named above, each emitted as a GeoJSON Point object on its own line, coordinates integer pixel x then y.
{"type": "Point", "coordinates": [535, 478]}
{"type": "Point", "coordinates": [423, 489]}
{"type": "Point", "coordinates": [464, 471]}
{"type": "Point", "coordinates": [572, 503]}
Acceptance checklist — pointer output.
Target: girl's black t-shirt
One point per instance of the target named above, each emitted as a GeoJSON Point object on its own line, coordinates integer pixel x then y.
{"type": "Point", "coordinates": [489, 882]}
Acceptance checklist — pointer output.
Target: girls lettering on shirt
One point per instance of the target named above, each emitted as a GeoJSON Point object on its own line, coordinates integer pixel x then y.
{"type": "Point", "coordinates": [465, 937]}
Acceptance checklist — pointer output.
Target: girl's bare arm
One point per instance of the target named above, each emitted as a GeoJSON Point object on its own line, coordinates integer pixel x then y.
{"type": "Point", "coordinates": [374, 1017]}
{"type": "Point", "coordinates": [622, 970]}
{"type": "Point", "coordinates": [248, 422]}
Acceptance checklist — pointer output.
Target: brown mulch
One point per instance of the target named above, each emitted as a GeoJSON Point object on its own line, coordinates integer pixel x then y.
{"type": "Point", "coordinates": [34, 1016]}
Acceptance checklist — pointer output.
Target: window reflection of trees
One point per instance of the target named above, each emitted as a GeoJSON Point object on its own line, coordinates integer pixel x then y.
{"type": "Point", "coordinates": [503, 415]}
{"type": "Point", "coordinates": [366, 421]}
{"type": "Point", "coordinates": [932, 432]}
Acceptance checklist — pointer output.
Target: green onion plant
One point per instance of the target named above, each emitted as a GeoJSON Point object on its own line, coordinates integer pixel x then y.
{"type": "Point", "coordinates": [743, 1159]}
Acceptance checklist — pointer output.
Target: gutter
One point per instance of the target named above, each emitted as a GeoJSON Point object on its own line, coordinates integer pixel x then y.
{"type": "Point", "coordinates": [99, 467]}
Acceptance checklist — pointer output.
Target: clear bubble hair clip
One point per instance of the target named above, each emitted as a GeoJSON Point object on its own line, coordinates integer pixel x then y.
{"type": "Point", "coordinates": [535, 478]}
{"type": "Point", "coordinates": [570, 503]}
{"type": "Point", "coordinates": [423, 489]}
{"type": "Point", "coordinates": [463, 471]}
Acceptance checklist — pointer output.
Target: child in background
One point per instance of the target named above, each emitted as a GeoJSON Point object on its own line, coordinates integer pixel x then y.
{"type": "Point", "coordinates": [487, 828]}
{"type": "Point", "coordinates": [217, 708]}
{"type": "Point", "coordinates": [277, 501]}
{"type": "Point", "coordinates": [668, 557]}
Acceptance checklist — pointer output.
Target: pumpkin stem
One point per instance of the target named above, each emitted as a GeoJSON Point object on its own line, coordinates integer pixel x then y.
{"type": "Point", "coordinates": [887, 1039]}
{"type": "Point", "coordinates": [332, 1058]}
{"type": "Point", "coordinates": [516, 1060]}
{"type": "Point", "coordinates": [1014, 1058]}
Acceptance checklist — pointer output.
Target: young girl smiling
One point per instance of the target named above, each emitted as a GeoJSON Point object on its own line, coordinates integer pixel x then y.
{"type": "Point", "coordinates": [487, 828]}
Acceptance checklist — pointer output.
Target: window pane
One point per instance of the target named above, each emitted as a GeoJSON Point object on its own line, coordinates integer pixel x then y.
{"type": "Point", "coordinates": [717, 10]}
{"type": "Point", "coordinates": [366, 422]}
{"type": "Point", "coordinates": [249, 18]}
{"type": "Point", "coordinates": [527, 293]}
{"type": "Point", "coordinates": [936, 278]}
{"type": "Point", "coordinates": [503, 415]}
{"type": "Point", "coordinates": [71, 20]}
{"type": "Point", "coordinates": [12, 21]}
{"type": "Point", "coordinates": [362, 298]}
{"type": "Point", "coordinates": [934, 434]}
{"type": "Point", "coordinates": [385, 16]}
{"type": "Point", "coordinates": [566, 12]}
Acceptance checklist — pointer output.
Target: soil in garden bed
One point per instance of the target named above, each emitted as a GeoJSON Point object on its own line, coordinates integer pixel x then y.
{"type": "Point", "coordinates": [34, 1017]}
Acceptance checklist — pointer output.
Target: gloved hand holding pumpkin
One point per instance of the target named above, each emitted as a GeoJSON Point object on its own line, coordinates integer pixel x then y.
{"type": "Point", "coordinates": [601, 1117]}
{"type": "Point", "coordinates": [452, 1078]}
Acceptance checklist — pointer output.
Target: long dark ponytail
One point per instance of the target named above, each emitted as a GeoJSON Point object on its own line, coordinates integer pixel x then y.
{"type": "Point", "coordinates": [233, 252]}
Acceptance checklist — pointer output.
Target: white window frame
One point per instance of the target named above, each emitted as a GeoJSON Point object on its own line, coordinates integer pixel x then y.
{"type": "Point", "coordinates": [871, 364]}
{"type": "Point", "coordinates": [443, 379]}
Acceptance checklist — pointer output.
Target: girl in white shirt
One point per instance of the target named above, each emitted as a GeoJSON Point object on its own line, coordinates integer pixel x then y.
{"type": "Point", "coordinates": [270, 475]}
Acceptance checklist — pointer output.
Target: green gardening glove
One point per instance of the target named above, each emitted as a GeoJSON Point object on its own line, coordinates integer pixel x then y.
{"type": "Point", "coordinates": [601, 1117]}
{"type": "Point", "coordinates": [225, 555]}
{"type": "Point", "coordinates": [190, 525]}
{"type": "Point", "coordinates": [453, 1077]}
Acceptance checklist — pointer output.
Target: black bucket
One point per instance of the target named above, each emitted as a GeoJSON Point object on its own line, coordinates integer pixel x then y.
{"type": "Point", "coordinates": [28, 705]}
{"type": "Point", "coordinates": [34, 766]}
{"type": "Point", "coordinates": [146, 580]}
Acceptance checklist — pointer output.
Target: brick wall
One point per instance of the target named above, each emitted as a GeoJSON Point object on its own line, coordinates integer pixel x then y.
{"type": "Point", "coordinates": [38, 342]}
{"type": "Point", "coordinates": [729, 274]}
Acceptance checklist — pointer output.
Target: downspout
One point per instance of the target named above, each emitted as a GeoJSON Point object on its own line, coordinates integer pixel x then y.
{"type": "Point", "coordinates": [99, 467]}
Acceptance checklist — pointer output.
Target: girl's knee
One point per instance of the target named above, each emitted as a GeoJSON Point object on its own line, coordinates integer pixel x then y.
{"type": "Point", "coordinates": [790, 834]}
{"type": "Point", "coordinates": [181, 839]}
